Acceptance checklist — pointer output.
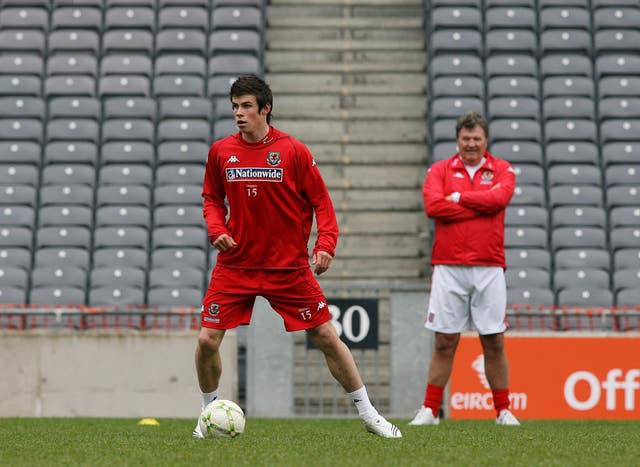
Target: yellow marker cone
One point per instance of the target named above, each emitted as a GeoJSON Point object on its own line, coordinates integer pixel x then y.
{"type": "Point", "coordinates": [149, 422]}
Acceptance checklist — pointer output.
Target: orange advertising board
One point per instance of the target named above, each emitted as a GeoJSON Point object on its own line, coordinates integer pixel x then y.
{"type": "Point", "coordinates": [564, 377]}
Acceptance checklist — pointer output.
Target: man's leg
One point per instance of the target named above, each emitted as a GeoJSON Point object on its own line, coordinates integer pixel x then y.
{"type": "Point", "coordinates": [343, 368]}
{"type": "Point", "coordinates": [439, 372]}
{"type": "Point", "coordinates": [208, 367]}
{"type": "Point", "coordinates": [497, 370]}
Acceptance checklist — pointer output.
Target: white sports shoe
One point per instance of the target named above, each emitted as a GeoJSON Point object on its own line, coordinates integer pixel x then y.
{"type": "Point", "coordinates": [425, 417]}
{"type": "Point", "coordinates": [378, 425]}
{"type": "Point", "coordinates": [197, 433]}
{"type": "Point", "coordinates": [507, 418]}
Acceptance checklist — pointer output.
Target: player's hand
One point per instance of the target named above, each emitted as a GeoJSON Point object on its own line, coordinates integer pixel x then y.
{"type": "Point", "coordinates": [224, 242]}
{"type": "Point", "coordinates": [321, 261]}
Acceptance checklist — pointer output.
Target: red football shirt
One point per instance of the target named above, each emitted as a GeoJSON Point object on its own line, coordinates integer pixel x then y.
{"type": "Point", "coordinates": [273, 187]}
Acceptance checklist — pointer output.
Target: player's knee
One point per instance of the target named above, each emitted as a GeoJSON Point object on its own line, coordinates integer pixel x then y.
{"type": "Point", "coordinates": [324, 337]}
{"type": "Point", "coordinates": [209, 343]}
{"type": "Point", "coordinates": [446, 344]}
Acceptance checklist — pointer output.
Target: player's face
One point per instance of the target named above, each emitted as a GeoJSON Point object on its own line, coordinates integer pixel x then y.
{"type": "Point", "coordinates": [472, 144]}
{"type": "Point", "coordinates": [251, 122]}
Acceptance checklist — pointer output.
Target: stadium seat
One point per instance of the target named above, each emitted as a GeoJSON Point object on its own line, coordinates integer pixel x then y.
{"type": "Point", "coordinates": [57, 256]}
{"type": "Point", "coordinates": [19, 174]}
{"type": "Point", "coordinates": [575, 195]}
{"type": "Point", "coordinates": [586, 278]}
{"type": "Point", "coordinates": [181, 41]}
{"type": "Point", "coordinates": [77, 194]}
{"type": "Point", "coordinates": [511, 16]}
{"type": "Point", "coordinates": [569, 258]}
{"type": "Point", "coordinates": [511, 65]}
{"type": "Point", "coordinates": [625, 237]}
{"type": "Point", "coordinates": [19, 156]}
{"type": "Point", "coordinates": [15, 277]}
{"type": "Point", "coordinates": [578, 237]}
{"type": "Point", "coordinates": [525, 237]}
{"type": "Point", "coordinates": [118, 276]}
{"type": "Point", "coordinates": [18, 194]}
{"type": "Point", "coordinates": [74, 41]}
{"type": "Point", "coordinates": [123, 215]}
{"type": "Point", "coordinates": [528, 258]}
{"type": "Point", "coordinates": [528, 174]}
{"type": "Point", "coordinates": [118, 297]}
{"type": "Point", "coordinates": [129, 152]}
{"type": "Point", "coordinates": [56, 296]}
{"type": "Point", "coordinates": [530, 295]}
{"type": "Point", "coordinates": [180, 257]}
{"type": "Point", "coordinates": [173, 276]}
{"type": "Point", "coordinates": [572, 152]}
{"type": "Point", "coordinates": [507, 86]}
{"type": "Point", "coordinates": [574, 174]}
{"type": "Point", "coordinates": [127, 41]}
{"type": "Point", "coordinates": [179, 236]}
{"type": "Point", "coordinates": [628, 216]}
{"type": "Point", "coordinates": [130, 17]}
{"type": "Point", "coordinates": [121, 237]}
{"type": "Point", "coordinates": [129, 174]}
{"type": "Point", "coordinates": [455, 65]}
{"type": "Point", "coordinates": [130, 107]}
{"type": "Point", "coordinates": [443, 41]}
{"type": "Point", "coordinates": [244, 17]}
{"type": "Point", "coordinates": [71, 152]}
{"type": "Point", "coordinates": [579, 216]}
{"type": "Point", "coordinates": [622, 195]}
{"type": "Point", "coordinates": [65, 215]}
{"type": "Point", "coordinates": [519, 278]}
{"type": "Point", "coordinates": [59, 276]}
{"type": "Point", "coordinates": [583, 297]}
{"type": "Point", "coordinates": [15, 257]}
{"type": "Point", "coordinates": [619, 86]}
{"type": "Point", "coordinates": [523, 215]}
{"type": "Point", "coordinates": [63, 236]}
{"type": "Point", "coordinates": [75, 107]}
{"type": "Point", "coordinates": [626, 279]}
{"type": "Point", "coordinates": [123, 257]}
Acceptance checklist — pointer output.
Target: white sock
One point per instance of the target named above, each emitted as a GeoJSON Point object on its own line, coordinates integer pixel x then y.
{"type": "Point", "coordinates": [361, 399]}
{"type": "Point", "coordinates": [208, 397]}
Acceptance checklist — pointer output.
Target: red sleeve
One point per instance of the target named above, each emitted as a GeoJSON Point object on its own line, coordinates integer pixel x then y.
{"type": "Point", "coordinates": [214, 208]}
{"type": "Point", "coordinates": [435, 204]}
{"type": "Point", "coordinates": [488, 201]}
{"type": "Point", "coordinates": [315, 190]}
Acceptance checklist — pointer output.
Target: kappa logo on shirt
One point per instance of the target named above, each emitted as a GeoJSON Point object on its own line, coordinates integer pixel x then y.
{"type": "Point", "coordinates": [321, 305]}
{"type": "Point", "coordinates": [233, 158]}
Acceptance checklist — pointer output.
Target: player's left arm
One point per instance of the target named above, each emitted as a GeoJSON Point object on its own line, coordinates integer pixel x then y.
{"type": "Point", "coordinates": [315, 190]}
{"type": "Point", "coordinates": [494, 199]}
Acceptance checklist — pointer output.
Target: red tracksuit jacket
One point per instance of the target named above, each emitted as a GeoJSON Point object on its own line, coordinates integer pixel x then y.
{"type": "Point", "coordinates": [273, 188]}
{"type": "Point", "coordinates": [470, 232]}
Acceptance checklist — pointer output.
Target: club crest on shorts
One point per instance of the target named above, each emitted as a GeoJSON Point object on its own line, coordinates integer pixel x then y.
{"type": "Point", "coordinates": [213, 309]}
{"type": "Point", "coordinates": [273, 158]}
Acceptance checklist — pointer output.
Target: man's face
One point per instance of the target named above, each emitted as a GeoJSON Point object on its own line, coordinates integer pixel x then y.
{"type": "Point", "coordinates": [246, 114]}
{"type": "Point", "coordinates": [472, 144]}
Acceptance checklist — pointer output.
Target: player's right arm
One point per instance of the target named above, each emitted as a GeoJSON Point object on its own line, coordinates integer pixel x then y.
{"type": "Point", "coordinates": [436, 204]}
{"type": "Point", "coordinates": [214, 209]}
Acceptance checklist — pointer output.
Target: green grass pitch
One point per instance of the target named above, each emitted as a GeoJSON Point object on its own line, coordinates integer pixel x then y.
{"type": "Point", "coordinates": [317, 442]}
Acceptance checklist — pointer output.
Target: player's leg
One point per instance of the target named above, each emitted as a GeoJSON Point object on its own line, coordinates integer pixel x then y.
{"type": "Point", "coordinates": [488, 311]}
{"type": "Point", "coordinates": [208, 362]}
{"type": "Point", "coordinates": [343, 368]}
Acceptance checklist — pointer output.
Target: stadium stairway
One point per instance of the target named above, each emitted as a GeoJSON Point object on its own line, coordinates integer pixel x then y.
{"type": "Point", "coordinates": [349, 80]}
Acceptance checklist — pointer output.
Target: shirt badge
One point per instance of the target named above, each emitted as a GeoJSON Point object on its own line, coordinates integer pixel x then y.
{"type": "Point", "coordinates": [233, 158]}
{"type": "Point", "coordinates": [487, 175]}
{"type": "Point", "coordinates": [458, 175]}
{"type": "Point", "coordinates": [273, 158]}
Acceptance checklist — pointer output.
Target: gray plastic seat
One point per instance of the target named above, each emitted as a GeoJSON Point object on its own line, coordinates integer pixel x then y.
{"type": "Point", "coordinates": [76, 194]}
{"type": "Point", "coordinates": [123, 194]}
{"type": "Point", "coordinates": [623, 175]}
{"type": "Point", "coordinates": [21, 85]}
{"type": "Point", "coordinates": [120, 256]}
{"type": "Point", "coordinates": [182, 152]}
{"type": "Point", "coordinates": [628, 297]}
{"type": "Point", "coordinates": [130, 107]}
{"type": "Point", "coordinates": [56, 296]}
{"type": "Point", "coordinates": [23, 40]}
{"type": "Point", "coordinates": [180, 257]}
{"type": "Point", "coordinates": [565, 17]}
{"type": "Point", "coordinates": [16, 257]}
{"type": "Point", "coordinates": [619, 107]}
{"type": "Point", "coordinates": [527, 277]}
{"type": "Point", "coordinates": [18, 154]}
{"type": "Point", "coordinates": [583, 277]}
{"type": "Point", "coordinates": [566, 86]}
{"type": "Point", "coordinates": [234, 64]}
{"type": "Point", "coordinates": [523, 215]}
{"type": "Point", "coordinates": [75, 107]}
{"type": "Point", "coordinates": [569, 107]}
{"type": "Point", "coordinates": [17, 215]}
{"type": "Point", "coordinates": [445, 41]}
{"type": "Point", "coordinates": [130, 85]}
{"type": "Point", "coordinates": [175, 297]}
{"type": "Point", "coordinates": [72, 64]}
{"type": "Point", "coordinates": [21, 106]}
{"type": "Point", "coordinates": [528, 258]}
{"type": "Point", "coordinates": [511, 41]}
{"type": "Point", "coordinates": [19, 237]}
{"type": "Point", "coordinates": [13, 277]}
{"type": "Point", "coordinates": [513, 107]}
{"type": "Point", "coordinates": [121, 237]}
{"type": "Point", "coordinates": [515, 129]}
{"type": "Point", "coordinates": [572, 152]}
{"type": "Point", "coordinates": [127, 173]}
{"type": "Point", "coordinates": [224, 127]}
{"type": "Point", "coordinates": [583, 297]}
{"type": "Point", "coordinates": [13, 295]}
{"type": "Point", "coordinates": [179, 236]}
{"type": "Point", "coordinates": [129, 17]}
{"type": "Point", "coordinates": [511, 65]}
{"type": "Point", "coordinates": [19, 63]}
{"type": "Point", "coordinates": [53, 256]}
{"type": "Point", "coordinates": [69, 85]}
{"type": "Point", "coordinates": [24, 18]}
{"type": "Point", "coordinates": [117, 296]}
{"type": "Point", "coordinates": [186, 176]}
{"type": "Point", "coordinates": [618, 86]}
{"type": "Point", "coordinates": [619, 130]}
{"type": "Point", "coordinates": [185, 107]}
{"type": "Point", "coordinates": [453, 107]}
{"type": "Point", "coordinates": [578, 216]}
{"type": "Point", "coordinates": [569, 258]}
{"type": "Point", "coordinates": [626, 279]}
{"type": "Point", "coordinates": [59, 275]}
{"type": "Point", "coordinates": [123, 215]}
{"type": "Point", "coordinates": [128, 152]}
{"type": "Point", "coordinates": [525, 237]}
{"type": "Point", "coordinates": [510, 16]}
{"type": "Point", "coordinates": [172, 276]}
{"type": "Point", "coordinates": [578, 237]}
{"type": "Point", "coordinates": [625, 258]}
{"type": "Point", "coordinates": [529, 174]}
{"type": "Point", "coordinates": [616, 41]}
{"type": "Point", "coordinates": [574, 174]}
{"type": "Point", "coordinates": [184, 129]}
{"type": "Point", "coordinates": [126, 64]}
{"type": "Point", "coordinates": [178, 85]}
{"type": "Point", "coordinates": [526, 194]}
{"type": "Point", "coordinates": [74, 41]}
{"type": "Point", "coordinates": [128, 129]}
{"type": "Point", "coordinates": [620, 152]}
{"type": "Point", "coordinates": [625, 237]}
{"type": "Point", "coordinates": [576, 195]}
{"type": "Point", "coordinates": [71, 152]}
{"type": "Point", "coordinates": [190, 214]}
{"type": "Point", "coordinates": [181, 41]}
{"type": "Point", "coordinates": [56, 215]}
{"type": "Point", "coordinates": [565, 64]}
{"type": "Point", "coordinates": [616, 18]}
{"type": "Point", "coordinates": [443, 150]}
{"type": "Point", "coordinates": [530, 295]}
{"type": "Point", "coordinates": [63, 236]}
{"type": "Point", "coordinates": [73, 129]}
{"type": "Point", "coordinates": [455, 86]}
{"type": "Point", "coordinates": [118, 276]}
{"type": "Point", "coordinates": [76, 17]}
{"type": "Point", "coordinates": [180, 64]}
{"type": "Point", "coordinates": [245, 17]}
{"type": "Point", "coordinates": [18, 194]}
{"type": "Point", "coordinates": [561, 129]}
{"type": "Point", "coordinates": [617, 65]}
{"type": "Point", "coordinates": [624, 216]}
{"type": "Point", "coordinates": [26, 129]}
{"type": "Point", "coordinates": [187, 16]}
{"type": "Point", "coordinates": [127, 41]}
{"type": "Point", "coordinates": [18, 174]}
{"type": "Point", "coordinates": [512, 86]}
{"type": "Point", "coordinates": [454, 65]}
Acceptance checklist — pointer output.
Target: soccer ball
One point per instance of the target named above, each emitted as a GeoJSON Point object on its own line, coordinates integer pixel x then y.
{"type": "Point", "coordinates": [221, 419]}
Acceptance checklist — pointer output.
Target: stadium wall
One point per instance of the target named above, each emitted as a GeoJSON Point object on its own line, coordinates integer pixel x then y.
{"type": "Point", "coordinates": [151, 374]}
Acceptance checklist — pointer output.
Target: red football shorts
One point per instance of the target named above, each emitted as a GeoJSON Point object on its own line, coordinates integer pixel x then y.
{"type": "Point", "coordinates": [294, 294]}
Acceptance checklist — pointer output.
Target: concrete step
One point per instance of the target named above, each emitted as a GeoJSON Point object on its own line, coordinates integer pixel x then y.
{"type": "Point", "coordinates": [374, 222]}
{"type": "Point", "coordinates": [340, 33]}
{"type": "Point", "coordinates": [379, 246]}
{"type": "Point", "coordinates": [357, 131]}
{"type": "Point", "coordinates": [349, 2]}
{"type": "Point", "coordinates": [370, 176]}
{"type": "Point", "coordinates": [312, 22]}
{"type": "Point", "coordinates": [395, 199]}
{"type": "Point", "coordinates": [345, 84]}
{"type": "Point", "coordinates": [381, 153]}
{"type": "Point", "coordinates": [350, 107]}
{"type": "Point", "coordinates": [344, 61]}
{"type": "Point", "coordinates": [376, 268]}
{"type": "Point", "coordinates": [345, 45]}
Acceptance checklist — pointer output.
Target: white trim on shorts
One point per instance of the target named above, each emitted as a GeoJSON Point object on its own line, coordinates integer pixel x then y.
{"type": "Point", "coordinates": [467, 298]}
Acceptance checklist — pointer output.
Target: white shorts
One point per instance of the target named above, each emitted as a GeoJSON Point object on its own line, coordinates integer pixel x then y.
{"type": "Point", "coordinates": [467, 297]}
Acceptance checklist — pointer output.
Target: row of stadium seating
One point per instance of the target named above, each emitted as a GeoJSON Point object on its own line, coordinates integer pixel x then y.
{"type": "Point", "coordinates": [558, 82]}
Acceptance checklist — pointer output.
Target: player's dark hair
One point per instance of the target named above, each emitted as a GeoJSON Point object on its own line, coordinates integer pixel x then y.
{"type": "Point", "coordinates": [253, 86]}
{"type": "Point", "coordinates": [471, 120]}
